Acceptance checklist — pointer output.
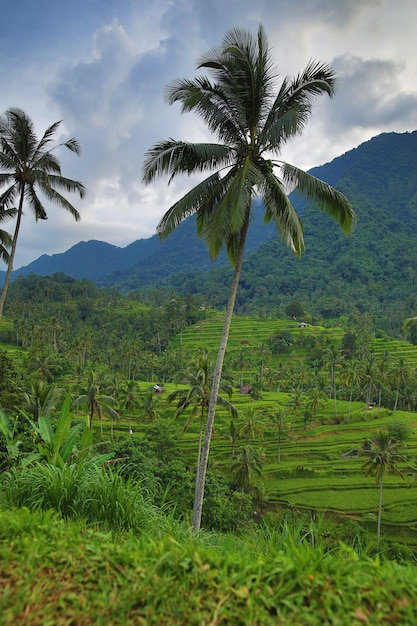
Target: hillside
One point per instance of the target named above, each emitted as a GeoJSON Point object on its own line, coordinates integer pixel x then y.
{"type": "Point", "coordinates": [374, 269]}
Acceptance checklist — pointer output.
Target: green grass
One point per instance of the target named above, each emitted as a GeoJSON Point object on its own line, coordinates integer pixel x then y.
{"type": "Point", "coordinates": [56, 573]}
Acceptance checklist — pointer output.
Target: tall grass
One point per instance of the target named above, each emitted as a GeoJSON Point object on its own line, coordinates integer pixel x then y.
{"type": "Point", "coordinates": [98, 495]}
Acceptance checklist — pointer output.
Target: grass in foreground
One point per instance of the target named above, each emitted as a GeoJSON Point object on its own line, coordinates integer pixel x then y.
{"type": "Point", "coordinates": [55, 572]}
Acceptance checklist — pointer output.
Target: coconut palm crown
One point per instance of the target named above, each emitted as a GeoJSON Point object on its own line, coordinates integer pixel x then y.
{"type": "Point", "coordinates": [27, 165]}
{"type": "Point", "coordinates": [253, 118]}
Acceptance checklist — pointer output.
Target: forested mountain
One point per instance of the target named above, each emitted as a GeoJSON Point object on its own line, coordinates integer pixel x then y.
{"type": "Point", "coordinates": [144, 261]}
{"type": "Point", "coordinates": [374, 268]}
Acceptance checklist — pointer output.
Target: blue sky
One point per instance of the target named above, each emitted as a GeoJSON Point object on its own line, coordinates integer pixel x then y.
{"type": "Point", "coordinates": [101, 66]}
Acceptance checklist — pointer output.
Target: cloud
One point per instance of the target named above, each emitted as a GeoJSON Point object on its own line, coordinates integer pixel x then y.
{"type": "Point", "coordinates": [102, 65]}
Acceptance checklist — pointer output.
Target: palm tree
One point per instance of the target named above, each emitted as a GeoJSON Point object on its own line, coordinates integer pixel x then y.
{"type": "Point", "coordinates": [351, 379]}
{"type": "Point", "coordinates": [333, 359]}
{"type": "Point", "coordinates": [246, 467]}
{"type": "Point", "coordinates": [150, 406]}
{"type": "Point", "coordinates": [129, 398]}
{"type": "Point", "coordinates": [400, 374]}
{"type": "Point", "coordinates": [251, 424]}
{"type": "Point", "coordinates": [242, 361]}
{"type": "Point", "coordinates": [253, 122]}
{"type": "Point", "coordinates": [41, 399]}
{"type": "Point", "coordinates": [315, 400]}
{"type": "Point", "coordinates": [382, 458]}
{"type": "Point", "coordinates": [278, 418]}
{"type": "Point", "coordinates": [199, 377]}
{"type": "Point", "coordinates": [96, 402]}
{"type": "Point", "coordinates": [264, 352]}
{"type": "Point", "coordinates": [28, 164]}
{"type": "Point", "coordinates": [368, 378]}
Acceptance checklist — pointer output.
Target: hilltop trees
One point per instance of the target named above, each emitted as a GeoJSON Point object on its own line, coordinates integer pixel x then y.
{"type": "Point", "coordinates": [26, 165]}
{"type": "Point", "coordinates": [253, 121]}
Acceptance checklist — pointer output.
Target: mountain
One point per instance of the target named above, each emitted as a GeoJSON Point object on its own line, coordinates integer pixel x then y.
{"type": "Point", "coordinates": [142, 262]}
{"type": "Point", "coordinates": [374, 267]}
{"type": "Point", "coordinates": [373, 270]}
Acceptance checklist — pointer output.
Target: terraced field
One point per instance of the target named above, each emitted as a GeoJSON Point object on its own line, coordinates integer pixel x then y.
{"type": "Point", "coordinates": [251, 332]}
{"type": "Point", "coordinates": [319, 469]}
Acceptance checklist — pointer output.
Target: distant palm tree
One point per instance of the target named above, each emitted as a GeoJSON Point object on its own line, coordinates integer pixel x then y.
{"type": "Point", "coordinates": [251, 424]}
{"type": "Point", "coordinates": [315, 400]}
{"type": "Point", "coordinates": [401, 374]}
{"type": "Point", "coordinates": [199, 378]}
{"type": "Point", "coordinates": [253, 122]}
{"type": "Point", "coordinates": [41, 399]}
{"type": "Point", "coordinates": [382, 458]}
{"type": "Point", "coordinates": [129, 398]}
{"type": "Point", "coordinates": [150, 406]}
{"type": "Point", "coordinates": [278, 418]}
{"type": "Point", "coordinates": [333, 358]}
{"type": "Point", "coordinates": [351, 380]}
{"type": "Point", "coordinates": [246, 467]}
{"type": "Point", "coordinates": [27, 164]}
{"type": "Point", "coordinates": [96, 402]}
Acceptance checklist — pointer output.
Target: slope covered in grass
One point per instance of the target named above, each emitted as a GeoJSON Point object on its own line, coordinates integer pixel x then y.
{"type": "Point", "coordinates": [60, 573]}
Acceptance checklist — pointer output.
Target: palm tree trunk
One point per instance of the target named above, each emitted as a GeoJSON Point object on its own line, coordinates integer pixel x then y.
{"type": "Point", "coordinates": [349, 405]}
{"type": "Point", "coordinates": [201, 473]}
{"type": "Point", "coordinates": [279, 446]}
{"type": "Point", "coordinates": [379, 511]}
{"type": "Point", "coordinates": [11, 255]}
{"type": "Point", "coordinates": [397, 393]}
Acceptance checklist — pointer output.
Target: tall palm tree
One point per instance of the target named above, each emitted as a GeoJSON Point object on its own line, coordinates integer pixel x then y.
{"type": "Point", "coordinates": [333, 359]}
{"type": "Point", "coordinates": [253, 121]}
{"type": "Point", "coordinates": [26, 165]}
{"type": "Point", "coordinates": [382, 458]}
{"type": "Point", "coordinates": [351, 377]}
{"type": "Point", "coordinates": [278, 418]}
{"type": "Point", "coordinates": [401, 374]}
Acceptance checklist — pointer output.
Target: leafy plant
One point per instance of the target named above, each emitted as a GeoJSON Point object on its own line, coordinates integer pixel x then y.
{"type": "Point", "coordinates": [11, 439]}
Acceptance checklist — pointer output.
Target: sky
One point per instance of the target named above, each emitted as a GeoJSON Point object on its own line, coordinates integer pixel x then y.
{"type": "Point", "coordinates": [101, 66]}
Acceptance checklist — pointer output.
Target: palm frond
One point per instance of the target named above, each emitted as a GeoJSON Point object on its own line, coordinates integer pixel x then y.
{"type": "Point", "coordinates": [291, 109]}
{"type": "Point", "coordinates": [205, 194]}
{"type": "Point", "coordinates": [179, 157]}
{"type": "Point", "coordinates": [279, 209]}
{"type": "Point", "coordinates": [8, 197]}
{"type": "Point", "coordinates": [328, 199]}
